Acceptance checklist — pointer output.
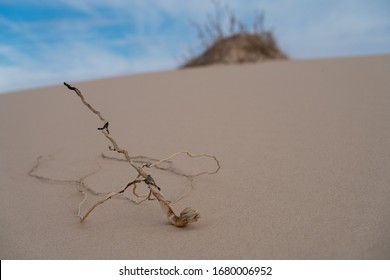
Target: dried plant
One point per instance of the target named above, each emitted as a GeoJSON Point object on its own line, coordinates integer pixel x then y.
{"type": "Point", "coordinates": [225, 38]}
{"type": "Point", "coordinates": [188, 215]}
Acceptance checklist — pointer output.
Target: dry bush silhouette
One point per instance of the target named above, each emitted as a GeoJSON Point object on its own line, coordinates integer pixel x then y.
{"type": "Point", "coordinates": [226, 39]}
{"type": "Point", "coordinates": [141, 164]}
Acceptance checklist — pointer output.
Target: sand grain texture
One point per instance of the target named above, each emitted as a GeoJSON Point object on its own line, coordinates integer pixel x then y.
{"type": "Point", "coordinates": [304, 148]}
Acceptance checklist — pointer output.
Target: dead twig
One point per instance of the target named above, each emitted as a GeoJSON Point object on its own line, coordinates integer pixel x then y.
{"type": "Point", "coordinates": [188, 215]}
{"type": "Point", "coordinates": [110, 195]}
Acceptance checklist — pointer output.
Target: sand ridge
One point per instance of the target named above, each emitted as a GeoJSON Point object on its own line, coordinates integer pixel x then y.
{"type": "Point", "coordinates": [304, 155]}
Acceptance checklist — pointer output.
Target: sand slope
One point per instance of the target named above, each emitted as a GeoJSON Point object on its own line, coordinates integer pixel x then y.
{"type": "Point", "coordinates": [304, 148]}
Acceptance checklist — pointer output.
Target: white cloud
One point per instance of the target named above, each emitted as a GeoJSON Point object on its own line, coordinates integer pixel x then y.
{"type": "Point", "coordinates": [72, 62]}
{"type": "Point", "coordinates": [342, 28]}
{"type": "Point", "coordinates": [73, 50]}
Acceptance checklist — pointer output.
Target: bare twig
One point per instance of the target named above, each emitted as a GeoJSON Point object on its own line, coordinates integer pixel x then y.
{"type": "Point", "coordinates": [192, 156]}
{"type": "Point", "coordinates": [79, 182]}
{"type": "Point", "coordinates": [188, 215]}
{"type": "Point", "coordinates": [110, 195]}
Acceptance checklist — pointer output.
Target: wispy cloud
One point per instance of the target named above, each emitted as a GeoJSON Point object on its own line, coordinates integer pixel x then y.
{"type": "Point", "coordinates": [45, 42]}
{"type": "Point", "coordinates": [94, 44]}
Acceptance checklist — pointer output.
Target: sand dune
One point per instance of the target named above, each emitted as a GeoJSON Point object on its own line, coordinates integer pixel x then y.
{"type": "Point", "coordinates": [304, 148]}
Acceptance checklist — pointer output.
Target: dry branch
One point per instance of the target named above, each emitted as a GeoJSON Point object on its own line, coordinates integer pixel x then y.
{"type": "Point", "coordinates": [188, 215]}
{"type": "Point", "coordinates": [110, 195]}
{"type": "Point", "coordinates": [79, 182]}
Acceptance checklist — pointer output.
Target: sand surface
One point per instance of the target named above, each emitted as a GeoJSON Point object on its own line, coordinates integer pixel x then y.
{"type": "Point", "coordinates": [304, 148]}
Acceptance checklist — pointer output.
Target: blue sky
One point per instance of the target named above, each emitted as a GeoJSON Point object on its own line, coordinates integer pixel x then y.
{"type": "Point", "coordinates": [46, 42]}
